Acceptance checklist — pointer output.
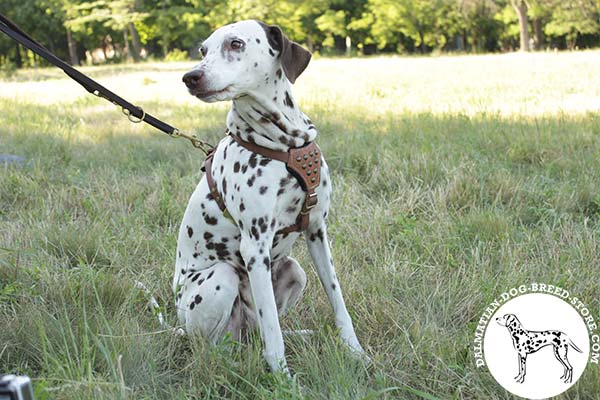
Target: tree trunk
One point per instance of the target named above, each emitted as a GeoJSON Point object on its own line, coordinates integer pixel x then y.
{"type": "Point", "coordinates": [422, 46]}
{"type": "Point", "coordinates": [18, 58]}
{"type": "Point", "coordinates": [521, 8]}
{"type": "Point", "coordinates": [126, 51]}
{"type": "Point", "coordinates": [165, 47]}
{"type": "Point", "coordinates": [460, 42]}
{"type": "Point", "coordinates": [538, 34]}
{"type": "Point", "coordinates": [348, 46]}
{"type": "Point", "coordinates": [135, 41]}
{"type": "Point", "coordinates": [72, 48]}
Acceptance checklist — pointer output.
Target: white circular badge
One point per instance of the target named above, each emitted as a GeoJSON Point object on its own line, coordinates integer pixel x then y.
{"type": "Point", "coordinates": [536, 346]}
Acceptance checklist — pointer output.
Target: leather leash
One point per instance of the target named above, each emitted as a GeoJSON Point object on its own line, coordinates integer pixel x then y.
{"type": "Point", "coordinates": [134, 113]}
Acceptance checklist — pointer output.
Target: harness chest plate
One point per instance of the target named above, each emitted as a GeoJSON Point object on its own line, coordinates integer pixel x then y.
{"type": "Point", "coordinates": [304, 163]}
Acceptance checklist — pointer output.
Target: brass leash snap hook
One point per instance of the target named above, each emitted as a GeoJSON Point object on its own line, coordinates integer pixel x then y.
{"type": "Point", "coordinates": [197, 143]}
{"type": "Point", "coordinates": [133, 118]}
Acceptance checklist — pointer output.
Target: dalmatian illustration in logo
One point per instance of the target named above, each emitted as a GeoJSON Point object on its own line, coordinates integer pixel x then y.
{"type": "Point", "coordinates": [528, 342]}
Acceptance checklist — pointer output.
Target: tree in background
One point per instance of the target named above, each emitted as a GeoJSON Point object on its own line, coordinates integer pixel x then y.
{"type": "Point", "coordinates": [571, 18]}
{"type": "Point", "coordinates": [113, 15]}
{"type": "Point", "coordinates": [521, 9]}
{"type": "Point", "coordinates": [121, 30]}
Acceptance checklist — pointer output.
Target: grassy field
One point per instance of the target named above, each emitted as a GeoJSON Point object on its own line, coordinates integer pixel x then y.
{"type": "Point", "coordinates": [455, 179]}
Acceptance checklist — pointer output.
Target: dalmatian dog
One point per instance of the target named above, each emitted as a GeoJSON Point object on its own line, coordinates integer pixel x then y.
{"type": "Point", "coordinates": [233, 271]}
{"type": "Point", "coordinates": [528, 342]}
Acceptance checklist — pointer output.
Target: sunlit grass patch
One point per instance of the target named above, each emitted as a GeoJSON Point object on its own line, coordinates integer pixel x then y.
{"type": "Point", "coordinates": [454, 179]}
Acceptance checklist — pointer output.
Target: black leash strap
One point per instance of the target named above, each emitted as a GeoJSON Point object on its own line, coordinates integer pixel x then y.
{"type": "Point", "coordinates": [134, 113]}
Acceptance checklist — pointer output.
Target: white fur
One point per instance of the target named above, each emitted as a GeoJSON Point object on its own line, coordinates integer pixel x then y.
{"type": "Point", "coordinates": [245, 272]}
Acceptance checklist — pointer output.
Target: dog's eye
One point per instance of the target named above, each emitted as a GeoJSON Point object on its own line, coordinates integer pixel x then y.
{"type": "Point", "coordinates": [236, 44]}
{"type": "Point", "coordinates": [203, 51]}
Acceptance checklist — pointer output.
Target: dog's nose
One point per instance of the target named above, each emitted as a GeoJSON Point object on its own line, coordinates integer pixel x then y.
{"type": "Point", "coordinates": [192, 78]}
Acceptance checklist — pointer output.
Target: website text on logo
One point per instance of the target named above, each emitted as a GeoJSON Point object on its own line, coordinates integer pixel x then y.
{"type": "Point", "coordinates": [557, 291]}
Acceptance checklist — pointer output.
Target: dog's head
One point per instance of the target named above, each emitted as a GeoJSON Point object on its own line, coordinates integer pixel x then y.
{"type": "Point", "coordinates": [508, 320]}
{"type": "Point", "coordinates": [243, 58]}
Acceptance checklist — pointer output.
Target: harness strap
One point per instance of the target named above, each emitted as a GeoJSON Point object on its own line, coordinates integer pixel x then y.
{"type": "Point", "coordinates": [303, 163]}
{"type": "Point", "coordinates": [211, 182]}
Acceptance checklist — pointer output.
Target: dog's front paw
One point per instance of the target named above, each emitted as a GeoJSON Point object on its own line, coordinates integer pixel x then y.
{"type": "Point", "coordinates": [356, 349]}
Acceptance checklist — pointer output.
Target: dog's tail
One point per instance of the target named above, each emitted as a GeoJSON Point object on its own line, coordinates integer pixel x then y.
{"type": "Point", "coordinates": [158, 310]}
{"type": "Point", "coordinates": [573, 346]}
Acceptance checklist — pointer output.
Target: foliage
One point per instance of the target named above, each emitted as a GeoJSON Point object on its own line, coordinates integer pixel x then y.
{"type": "Point", "coordinates": [572, 18]}
{"type": "Point", "coordinates": [123, 29]}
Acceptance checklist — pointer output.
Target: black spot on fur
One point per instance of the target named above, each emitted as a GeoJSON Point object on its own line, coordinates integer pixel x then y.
{"type": "Point", "coordinates": [278, 73]}
{"type": "Point", "coordinates": [260, 312]}
{"type": "Point", "coordinates": [251, 263]}
{"type": "Point", "coordinates": [208, 235]}
{"type": "Point", "coordinates": [222, 251]}
{"type": "Point", "coordinates": [288, 100]}
{"type": "Point", "coordinates": [262, 224]}
{"type": "Point", "coordinates": [218, 287]}
{"type": "Point", "coordinates": [267, 262]}
{"type": "Point", "coordinates": [210, 275]}
{"type": "Point", "coordinates": [238, 255]}
{"type": "Point", "coordinates": [198, 299]}
{"type": "Point", "coordinates": [253, 160]}
{"type": "Point", "coordinates": [263, 189]}
{"type": "Point", "coordinates": [210, 220]}
{"type": "Point", "coordinates": [317, 235]}
{"type": "Point", "coordinates": [257, 40]}
{"type": "Point", "coordinates": [242, 207]}
{"type": "Point", "coordinates": [251, 180]}
{"type": "Point", "coordinates": [236, 167]}
{"type": "Point", "coordinates": [333, 286]}
{"type": "Point", "coordinates": [190, 231]}
{"type": "Point", "coordinates": [264, 162]}
{"type": "Point", "coordinates": [271, 53]}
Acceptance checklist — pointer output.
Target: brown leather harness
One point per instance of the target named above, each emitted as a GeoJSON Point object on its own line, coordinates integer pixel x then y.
{"type": "Point", "coordinates": [304, 163]}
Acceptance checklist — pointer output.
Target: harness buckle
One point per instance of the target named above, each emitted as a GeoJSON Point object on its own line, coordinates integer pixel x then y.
{"type": "Point", "coordinates": [310, 203]}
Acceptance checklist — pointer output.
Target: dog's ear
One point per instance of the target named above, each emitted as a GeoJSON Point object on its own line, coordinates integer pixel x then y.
{"type": "Point", "coordinates": [294, 58]}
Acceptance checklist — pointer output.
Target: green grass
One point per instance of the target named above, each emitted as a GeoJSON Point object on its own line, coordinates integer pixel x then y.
{"type": "Point", "coordinates": [455, 179]}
